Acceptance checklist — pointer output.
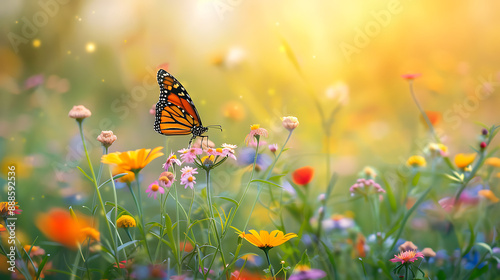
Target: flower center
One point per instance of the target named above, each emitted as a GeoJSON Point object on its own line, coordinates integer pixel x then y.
{"type": "Point", "coordinates": [218, 150]}
{"type": "Point", "coordinates": [155, 187]}
{"type": "Point", "coordinates": [255, 126]}
{"type": "Point", "coordinates": [164, 179]}
{"type": "Point", "coordinates": [190, 179]}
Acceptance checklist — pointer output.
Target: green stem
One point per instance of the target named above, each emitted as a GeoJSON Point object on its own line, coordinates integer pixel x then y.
{"type": "Point", "coordinates": [177, 245]}
{"type": "Point", "coordinates": [266, 251]}
{"type": "Point", "coordinates": [426, 118]}
{"type": "Point", "coordinates": [98, 192]}
{"type": "Point", "coordinates": [375, 211]}
{"type": "Point", "coordinates": [214, 224]}
{"type": "Point", "coordinates": [138, 204]}
{"type": "Point", "coordinates": [407, 216]}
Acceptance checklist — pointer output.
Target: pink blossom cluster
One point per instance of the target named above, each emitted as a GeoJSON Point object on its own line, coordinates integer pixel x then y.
{"type": "Point", "coordinates": [364, 186]}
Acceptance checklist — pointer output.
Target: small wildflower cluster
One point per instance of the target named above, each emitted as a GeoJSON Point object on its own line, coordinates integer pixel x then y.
{"type": "Point", "coordinates": [365, 187]}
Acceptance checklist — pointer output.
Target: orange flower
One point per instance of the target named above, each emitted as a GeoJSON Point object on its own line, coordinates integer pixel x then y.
{"type": "Point", "coordinates": [58, 225]}
{"type": "Point", "coordinates": [303, 175]}
{"type": "Point", "coordinates": [488, 194]}
{"type": "Point", "coordinates": [464, 160]}
{"type": "Point", "coordinates": [493, 161]}
{"type": "Point", "coordinates": [131, 162]}
{"type": "Point", "coordinates": [434, 117]}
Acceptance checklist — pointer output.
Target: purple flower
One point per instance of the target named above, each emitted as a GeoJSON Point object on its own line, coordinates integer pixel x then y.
{"type": "Point", "coordinates": [303, 272]}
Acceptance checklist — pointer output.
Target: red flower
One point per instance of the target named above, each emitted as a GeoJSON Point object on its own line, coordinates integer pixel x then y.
{"type": "Point", "coordinates": [411, 77]}
{"type": "Point", "coordinates": [303, 175]}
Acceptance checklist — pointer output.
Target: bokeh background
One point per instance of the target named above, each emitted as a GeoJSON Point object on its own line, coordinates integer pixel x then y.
{"type": "Point", "coordinates": [232, 56]}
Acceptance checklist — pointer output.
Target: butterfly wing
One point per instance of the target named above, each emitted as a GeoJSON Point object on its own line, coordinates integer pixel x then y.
{"type": "Point", "coordinates": [175, 111]}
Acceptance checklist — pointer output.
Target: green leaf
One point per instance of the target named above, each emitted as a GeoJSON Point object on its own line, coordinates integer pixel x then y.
{"type": "Point", "coordinates": [42, 264]}
{"type": "Point", "coordinates": [125, 245]}
{"type": "Point", "coordinates": [122, 210]}
{"type": "Point", "coordinates": [304, 260]}
{"type": "Point", "coordinates": [390, 195]}
{"type": "Point", "coordinates": [478, 272]}
{"type": "Point", "coordinates": [416, 178]}
{"type": "Point", "coordinates": [276, 177]}
{"type": "Point", "coordinates": [485, 246]}
{"type": "Point", "coordinates": [114, 178]}
{"type": "Point", "coordinates": [228, 199]}
{"type": "Point", "coordinates": [265, 182]}
{"type": "Point", "coordinates": [83, 172]}
{"type": "Point", "coordinates": [471, 240]}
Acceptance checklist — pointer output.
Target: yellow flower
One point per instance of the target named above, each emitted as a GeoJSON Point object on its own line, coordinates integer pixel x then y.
{"type": "Point", "coordinates": [464, 160]}
{"type": "Point", "coordinates": [416, 161]}
{"type": "Point", "coordinates": [89, 232]}
{"type": "Point", "coordinates": [493, 161]}
{"type": "Point", "coordinates": [266, 240]}
{"type": "Point", "coordinates": [208, 160]}
{"type": "Point", "coordinates": [125, 221]}
{"type": "Point", "coordinates": [489, 195]}
{"type": "Point", "coordinates": [131, 162]}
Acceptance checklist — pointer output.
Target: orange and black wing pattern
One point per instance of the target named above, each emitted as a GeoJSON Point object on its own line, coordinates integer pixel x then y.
{"type": "Point", "coordinates": [175, 111]}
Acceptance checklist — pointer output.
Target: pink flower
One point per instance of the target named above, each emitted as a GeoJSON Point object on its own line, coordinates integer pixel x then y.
{"type": "Point", "coordinates": [273, 148]}
{"type": "Point", "coordinates": [188, 181]}
{"type": "Point", "coordinates": [189, 155]}
{"type": "Point", "coordinates": [214, 152]}
{"type": "Point", "coordinates": [187, 177]}
{"type": "Point", "coordinates": [166, 179]}
{"type": "Point", "coordinates": [188, 170]}
{"type": "Point", "coordinates": [255, 132]}
{"type": "Point", "coordinates": [154, 189]}
{"type": "Point", "coordinates": [171, 160]}
{"type": "Point", "coordinates": [406, 257]}
{"type": "Point", "coordinates": [364, 187]}
{"type": "Point", "coordinates": [411, 77]}
{"type": "Point", "coordinates": [228, 150]}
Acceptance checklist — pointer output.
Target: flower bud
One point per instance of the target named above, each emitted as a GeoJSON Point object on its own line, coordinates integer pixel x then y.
{"type": "Point", "coordinates": [290, 122]}
{"type": "Point", "coordinates": [79, 113]}
{"type": "Point", "coordinates": [106, 138]}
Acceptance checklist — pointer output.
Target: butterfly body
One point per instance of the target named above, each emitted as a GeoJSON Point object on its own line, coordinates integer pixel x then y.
{"type": "Point", "coordinates": [175, 111]}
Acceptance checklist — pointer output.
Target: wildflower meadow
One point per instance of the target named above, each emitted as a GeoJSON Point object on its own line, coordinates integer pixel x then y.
{"type": "Point", "coordinates": [248, 140]}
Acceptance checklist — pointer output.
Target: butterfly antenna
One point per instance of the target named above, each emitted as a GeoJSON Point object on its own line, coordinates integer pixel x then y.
{"type": "Point", "coordinates": [218, 126]}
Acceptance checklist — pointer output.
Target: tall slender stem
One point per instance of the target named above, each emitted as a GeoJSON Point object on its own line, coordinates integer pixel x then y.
{"type": "Point", "coordinates": [177, 245]}
{"type": "Point", "coordinates": [97, 191]}
{"type": "Point", "coordinates": [214, 224]}
{"type": "Point", "coordinates": [138, 204]}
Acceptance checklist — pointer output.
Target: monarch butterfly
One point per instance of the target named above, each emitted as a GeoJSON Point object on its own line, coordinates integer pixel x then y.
{"type": "Point", "coordinates": [175, 111]}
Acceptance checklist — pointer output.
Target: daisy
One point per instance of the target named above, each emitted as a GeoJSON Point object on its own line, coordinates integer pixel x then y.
{"type": "Point", "coordinates": [171, 160]}
{"type": "Point", "coordinates": [154, 189]}
{"type": "Point", "coordinates": [189, 155]}
{"type": "Point", "coordinates": [255, 132]}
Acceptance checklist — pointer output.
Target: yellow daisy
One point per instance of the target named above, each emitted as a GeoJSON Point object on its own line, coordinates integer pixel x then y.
{"type": "Point", "coordinates": [266, 240]}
